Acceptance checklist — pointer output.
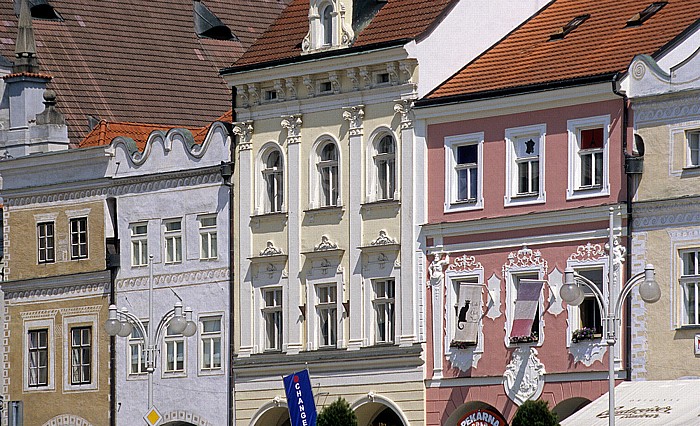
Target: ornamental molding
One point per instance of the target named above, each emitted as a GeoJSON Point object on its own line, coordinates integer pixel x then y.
{"type": "Point", "coordinates": [42, 294]}
{"type": "Point", "coordinates": [589, 252]}
{"type": "Point", "coordinates": [649, 112]}
{"type": "Point", "coordinates": [393, 73]}
{"type": "Point", "coordinates": [290, 84]}
{"type": "Point", "coordinates": [185, 278]}
{"type": "Point", "coordinates": [365, 76]}
{"type": "Point", "coordinates": [253, 94]}
{"type": "Point", "coordinates": [588, 351]}
{"type": "Point", "coordinates": [279, 89]}
{"type": "Point", "coordinates": [354, 79]}
{"type": "Point", "coordinates": [325, 244]}
{"type": "Point", "coordinates": [81, 310]}
{"type": "Point", "coordinates": [186, 416]}
{"type": "Point", "coordinates": [293, 125]}
{"type": "Point", "coordinates": [67, 420]}
{"type": "Point", "coordinates": [270, 250]}
{"type": "Point", "coordinates": [465, 263]}
{"type": "Point", "coordinates": [405, 108]}
{"type": "Point", "coordinates": [406, 69]}
{"type": "Point", "coordinates": [383, 239]}
{"type": "Point", "coordinates": [667, 214]}
{"type": "Point", "coordinates": [354, 116]}
{"type": "Point", "coordinates": [309, 84]}
{"type": "Point", "coordinates": [436, 270]}
{"type": "Point", "coordinates": [524, 375]}
{"type": "Point", "coordinates": [244, 130]}
{"type": "Point", "coordinates": [618, 252]}
{"type": "Point", "coordinates": [335, 81]}
{"type": "Point", "coordinates": [525, 258]}
{"type": "Point", "coordinates": [41, 314]}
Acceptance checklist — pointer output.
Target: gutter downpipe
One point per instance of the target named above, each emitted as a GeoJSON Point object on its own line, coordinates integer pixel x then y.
{"type": "Point", "coordinates": [628, 240]}
{"type": "Point", "coordinates": [231, 287]}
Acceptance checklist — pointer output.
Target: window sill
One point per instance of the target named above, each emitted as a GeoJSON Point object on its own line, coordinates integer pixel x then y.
{"type": "Point", "coordinates": [689, 327]}
{"type": "Point", "coordinates": [588, 192]}
{"type": "Point", "coordinates": [523, 200]}
{"type": "Point", "coordinates": [173, 374]}
{"type": "Point", "coordinates": [380, 203]}
{"type": "Point", "coordinates": [212, 372]}
{"type": "Point", "coordinates": [461, 206]}
{"type": "Point", "coordinates": [208, 259]}
{"type": "Point", "coordinates": [269, 215]}
{"type": "Point", "coordinates": [324, 209]}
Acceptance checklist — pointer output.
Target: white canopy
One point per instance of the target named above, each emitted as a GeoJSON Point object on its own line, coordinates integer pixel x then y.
{"type": "Point", "coordinates": [668, 403]}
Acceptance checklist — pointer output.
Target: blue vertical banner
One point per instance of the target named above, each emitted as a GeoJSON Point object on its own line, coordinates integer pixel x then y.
{"type": "Point", "coordinates": [300, 399]}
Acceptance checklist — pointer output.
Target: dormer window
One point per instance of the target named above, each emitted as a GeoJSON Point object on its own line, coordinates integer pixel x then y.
{"type": "Point", "coordinates": [327, 23]}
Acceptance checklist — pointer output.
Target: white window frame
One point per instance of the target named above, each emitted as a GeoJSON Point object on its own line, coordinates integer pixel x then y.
{"type": "Point", "coordinates": [139, 244]}
{"type": "Point", "coordinates": [574, 127]}
{"type": "Point", "coordinates": [82, 243]}
{"type": "Point", "coordinates": [273, 312]}
{"type": "Point", "coordinates": [514, 135]}
{"type": "Point", "coordinates": [208, 237]}
{"type": "Point", "coordinates": [512, 275]}
{"type": "Point", "coordinates": [389, 315]}
{"type": "Point", "coordinates": [316, 195]}
{"type": "Point", "coordinates": [684, 281]}
{"type": "Point", "coordinates": [210, 337]}
{"type": "Point", "coordinates": [386, 159]}
{"type": "Point", "coordinates": [452, 281]}
{"type": "Point", "coordinates": [264, 204]}
{"type": "Point", "coordinates": [174, 340]}
{"type": "Point", "coordinates": [46, 242]}
{"type": "Point", "coordinates": [47, 324]}
{"type": "Point", "coordinates": [140, 344]}
{"type": "Point", "coordinates": [70, 322]}
{"type": "Point", "coordinates": [574, 312]}
{"type": "Point", "coordinates": [172, 241]}
{"type": "Point", "coordinates": [327, 25]}
{"type": "Point", "coordinates": [452, 143]}
{"type": "Point", "coordinates": [692, 145]}
{"type": "Point", "coordinates": [326, 307]}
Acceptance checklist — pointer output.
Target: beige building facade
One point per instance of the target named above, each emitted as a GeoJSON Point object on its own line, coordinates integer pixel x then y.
{"type": "Point", "coordinates": [665, 98]}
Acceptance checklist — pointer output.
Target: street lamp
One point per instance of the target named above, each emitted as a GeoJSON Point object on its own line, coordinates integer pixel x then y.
{"type": "Point", "coordinates": [122, 322]}
{"type": "Point", "coordinates": [572, 294]}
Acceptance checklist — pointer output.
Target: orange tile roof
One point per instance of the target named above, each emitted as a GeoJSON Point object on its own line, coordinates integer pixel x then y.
{"type": "Point", "coordinates": [602, 45]}
{"type": "Point", "coordinates": [396, 20]}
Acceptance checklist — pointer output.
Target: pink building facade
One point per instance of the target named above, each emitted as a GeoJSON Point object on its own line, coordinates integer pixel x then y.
{"type": "Point", "coordinates": [519, 189]}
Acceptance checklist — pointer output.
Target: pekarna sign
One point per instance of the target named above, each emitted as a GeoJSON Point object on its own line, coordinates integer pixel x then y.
{"type": "Point", "coordinates": [300, 399]}
{"type": "Point", "coordinates": [482, 417]}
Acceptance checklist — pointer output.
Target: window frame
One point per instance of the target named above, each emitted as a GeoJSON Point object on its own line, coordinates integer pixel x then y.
{"type": "Point", "coordinates": [684, 281]}
{"type": "Point", "coordinates": [265, 202]}
{"type": "Point", "coordinates": [211, 337]}
{"type": "Point", "coordinates": [575, 189]}
{"type": "Point", "coordinates": [38, 350]}
{"type": "Point", "coordinates": [692, 136]}
{"type": "Point", "coordinates": [208, 233]}
{"type": "Point", "coordinates": [274, 312]}
{"type": "Point", "coordinates": [327, 25]}
{"type": "Point", "coordinates": [513, 196]}
{"type": "Point", "coordinates": [139, 240]}
{"type": "Point", "coordinates": [451, 145]}
{"type": "Point", "coordinates": [330, 307]}
{"type": "Point", "coordinates": [82, 363]}
{"type": "Point", "coordinates": [174, 340]}
{"type": "Point", "coordinates": [33, 325]}
{"type": "Point", "coordinates": [389, 162]}
{"type": "Point", "coordinates": [317, 198]}
{"type": "Point", "coordinates": [81, 244]}
{"type": "Point", "coordinates": [388, 299]}
{"type": "Point", "coordinates": [172, 238]}
{"type": "Point", "coordinates": [138, 343]}
{"type": "Point", "coordinates": [512, 278]}
{"type": "Point", "coordinates": [46, 242]}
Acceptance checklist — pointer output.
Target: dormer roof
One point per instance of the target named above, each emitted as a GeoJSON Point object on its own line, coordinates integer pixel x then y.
{"type": "Point", "coordinates": [595, 50]}
{"type": "Point", "coordinates": [383, 23]}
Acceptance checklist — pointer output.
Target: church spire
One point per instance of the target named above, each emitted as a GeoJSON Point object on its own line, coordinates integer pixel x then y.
{"type": "Point", "coordinates": [25, 47]}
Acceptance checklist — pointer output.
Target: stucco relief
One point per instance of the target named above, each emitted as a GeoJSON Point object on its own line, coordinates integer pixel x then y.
{"type": "Point", "coordinates": [244, 130]}
{"type": "Point", "coordinates": [186, 278]}
{"type": "Point", "coordinates": [325, 244]}
{"type": "Point", "coordinates": [464, 263]}
{"type": "Point", "coordinates": [587, 253]}
{"type": "Point", "coordinates": [270, 250]}
{"type": "Point", "coordinates": [405, 108]}
{"type": "Point", "coordinates": [525, 258]}
{"type": "Point", "coordinates": [494, 287]}
{"type": "Point", "coordinates": [293, 125]}
{"type": "Point", "coordinates": [524, 375]}
{"type": "Point", "coordinates": [354, 115]}
{"type": "Point", "coordinates": [666, 111]}
{"type": "Point", "coordinates": [555, 282]}
{"type": "Point", "coordinates": [587, 352]}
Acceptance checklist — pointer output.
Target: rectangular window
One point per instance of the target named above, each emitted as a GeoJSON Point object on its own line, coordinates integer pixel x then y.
{"type": "Point", "coordinates": [174, 352]}
{"type": "Point", "coordinates": [693, 153]}
{"type": "Point", "coordinates": [528, 165]}
{"type": "Point", "coordinates": [81, 355]}
{"type": "Point", "coordinates": [464, 172]}
{"type": "Point", "coordinates": [173, 241]}
{"type": "Point", "coordinates": [137, 353]}
{"type": "Point", "coordinates": [589, 310]}
{"type": "Point", "coordinates": [272, 313]}
{"type": "Point", "coordinates": [525, 164]}
{"type": "Point", "coordinates": [591, 153]}
{"type": "Point", "coordinates": [327, 314]}
{"type": "Point", "coordinates": [384, 310]}
{"type": "Point", "coordinates": [467, 313]}
{"type": "Point", "coordinates": [588, 157]}
{"type": "Point", "coordinates": [78, 238]}
{"type": "Point", "coordinates": [210, 343]}
{"type": "Point", "coordinates": [139, 244]}
{"type": "Point", "coordinates": [525, 325]}
{"type": "Point", "coordinates": [47, 248]}
{"type": "Point", "coordinates": [325, 87]}
{"type": "Point", "coordinates": [207, 238]}
{"type": "Point", "coordinates": [690, 283]}
{"type": "Point", "coordinates": [38, 342]}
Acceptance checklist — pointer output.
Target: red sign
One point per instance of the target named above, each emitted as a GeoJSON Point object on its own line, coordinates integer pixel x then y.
{"type": "Point", "coordinates": [482, 417]}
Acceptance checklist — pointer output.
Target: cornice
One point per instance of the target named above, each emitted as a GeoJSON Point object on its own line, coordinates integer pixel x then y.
{"type": "Point", "coordinates": [658, 214]}
{"type": "Point", "coordinates": [666, 109]}
{"type": "Point", "coordinates": [57, 287]}
{"type": "Point", "coordinates": [174, 280]}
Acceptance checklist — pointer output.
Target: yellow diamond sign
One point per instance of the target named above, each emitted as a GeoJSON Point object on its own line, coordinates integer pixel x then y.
{"type": "Point", "coordinates": [153, 417]}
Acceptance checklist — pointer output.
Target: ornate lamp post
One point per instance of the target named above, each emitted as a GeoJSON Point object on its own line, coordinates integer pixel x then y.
{"type": "Point", "coordinates": [122, 322]}
{"type": "Point", "coordinates": [572, 294]}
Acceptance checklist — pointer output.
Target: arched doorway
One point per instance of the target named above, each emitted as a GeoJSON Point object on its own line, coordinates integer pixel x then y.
{"type": "Point", "coordinates": [475, 410]}
{"type": "Point", "coordinates": [569, 406]}
{"type": "Point", "coordinates": [387, 417]}
{"type": "Point", "coordinates": [278, 416]}
{"type": "Point", "coordinates": [376, 410]}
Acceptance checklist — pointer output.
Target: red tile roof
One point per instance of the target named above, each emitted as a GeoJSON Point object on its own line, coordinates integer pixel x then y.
{"type": "Point", "coordinates": [139, 61]}
{"type": "Point", "coordinates": [602, 45]}
{"type": "Point", "coordinates": [397, 20]}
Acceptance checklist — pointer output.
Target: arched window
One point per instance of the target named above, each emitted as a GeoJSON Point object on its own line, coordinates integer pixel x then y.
{"type": "Point", "coordinates": [328, 174]}
{"type": "Point", "coordinates": [385, 163]}
{"type": "Point", "coordinates": [327, 22]}
{"type": "Point", "coordinates": [273, 177]}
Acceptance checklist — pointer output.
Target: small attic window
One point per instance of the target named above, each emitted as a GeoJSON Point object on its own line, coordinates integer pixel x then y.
{"type": "Point", "coordinates": [566, 29]}
{"type": "Point", "coordinates": [645, 14]}
{"type": "Point", "coordinates": [208, 25]}
{"type": "Point", "coordinates": [40, 9]}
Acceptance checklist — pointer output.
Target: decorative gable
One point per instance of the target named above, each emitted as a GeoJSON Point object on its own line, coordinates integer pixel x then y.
{"type": "Point", "coordinates": [327, 26]}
